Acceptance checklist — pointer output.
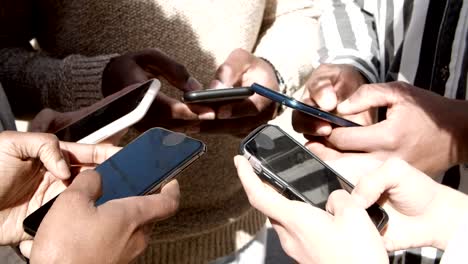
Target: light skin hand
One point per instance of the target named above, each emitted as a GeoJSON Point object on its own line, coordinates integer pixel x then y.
{"type": "Point", "coordinates": [421, 211]}
{"type": "Point", "coordinates": [421, 127]}
{"type": "Point", "coordinates": [76, 231]}
{"type": "Point", "coordinates": [34, 168]}
{"type": "Point", "coordinates": [327, 86]}
{"type": "Point", "coordinates": [242, 68]}
{"type": "Point", "coordinates": [311, 235]}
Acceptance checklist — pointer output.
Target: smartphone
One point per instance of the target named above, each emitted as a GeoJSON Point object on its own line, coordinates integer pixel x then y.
{"type": "Point", "coordinates": [307, 109]}
{"type": "Point", "coordinates": [296, 172]}
{"type": "Point", "coordinates": [140, 168]}
{"type": "Point", "coordinates": [112, 116]}
{"type": "Point", "coordinates": [217, 95]}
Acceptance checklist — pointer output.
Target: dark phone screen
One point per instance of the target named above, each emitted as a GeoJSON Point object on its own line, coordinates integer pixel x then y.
{"type": "Point", "coordinates": [145, 163]}
{"type": "Point", "coordinates": [138, 168]}
{"type": "Point", "coordinates": [307, 109]}
{"type": "Point", "coordinates": [293, 164]}
{"type": "Point", "coordinates": [104, 115]}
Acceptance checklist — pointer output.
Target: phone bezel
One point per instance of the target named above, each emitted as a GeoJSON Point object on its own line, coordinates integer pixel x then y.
{"type": "Point", "coordinates": [217, 95]}
{"type": "Point", "coordinates": [307, 109]}
{"type": "Point", "coordinates": [286, 189]}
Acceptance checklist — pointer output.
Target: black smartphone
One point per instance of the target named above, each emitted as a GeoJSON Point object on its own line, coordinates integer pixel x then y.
{"type": "Point", "coordinates": [217, 95]}
{"type": "Point", "coordinates": [112, 114]}
{"type": "Point", "coordinates": [295, 171]}
{"type": "Point", "coordinates": [140, 168]}
{"type": "Point", "coordinates": [307, 109]}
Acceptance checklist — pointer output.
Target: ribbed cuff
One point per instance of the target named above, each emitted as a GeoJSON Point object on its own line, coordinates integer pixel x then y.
{"type": "Point", "coordinates": [83, 77]}
{"type": "Point", "coordinates": [205, 247]}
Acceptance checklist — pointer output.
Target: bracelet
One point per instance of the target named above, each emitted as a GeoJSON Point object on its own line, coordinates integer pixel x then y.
{"type": "Point", "coordinates": [279, 78]}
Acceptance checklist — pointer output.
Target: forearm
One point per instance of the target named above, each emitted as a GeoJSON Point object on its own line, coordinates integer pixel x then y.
{"type": "Point", "coordinates": [34, 80]}
{"type": "Point", "coordinates": [459, 117]}
{"type": "Point", "coordinates": [290, 40]}
{"type": "Point", "coordinates": [450, 218]}
{"type": "Point", "coordinates": [348, 36]}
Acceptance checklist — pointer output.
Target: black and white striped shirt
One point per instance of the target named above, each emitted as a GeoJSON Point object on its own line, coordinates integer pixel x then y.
{"type": "Point", "coordinates": [422, 42]}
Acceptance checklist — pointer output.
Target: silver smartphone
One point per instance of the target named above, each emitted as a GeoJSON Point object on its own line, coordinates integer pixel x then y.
{"type": "Point", "coordinates": [296, 172]}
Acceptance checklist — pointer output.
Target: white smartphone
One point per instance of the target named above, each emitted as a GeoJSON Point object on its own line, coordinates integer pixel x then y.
{"type": "Point", "coordinates": [112, 114]}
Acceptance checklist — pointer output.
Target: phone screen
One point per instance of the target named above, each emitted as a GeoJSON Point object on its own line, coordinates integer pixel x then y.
{"type": "Point", "coordinates": [104, 115]}
{"type": "Point", "coordinates": [146, 163]}
{"type": "Point", "coordinates": [297, 167]}
{"type": "Point", "coordinates": [307, 109]}
{"type": "Point", "coordinates": [139, 168]}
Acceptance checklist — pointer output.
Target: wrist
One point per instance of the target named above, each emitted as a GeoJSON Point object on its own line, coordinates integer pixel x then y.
{"type": "Point", "coordinates": [453, 209]}
{"type": "Point", "coordinates": [460, 123]}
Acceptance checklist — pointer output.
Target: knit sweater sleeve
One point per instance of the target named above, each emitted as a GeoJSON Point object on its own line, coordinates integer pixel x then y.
{"type": "Point", "coordinates": [33, 79]}
{"type": "Point", "coordinates": [289, 39]}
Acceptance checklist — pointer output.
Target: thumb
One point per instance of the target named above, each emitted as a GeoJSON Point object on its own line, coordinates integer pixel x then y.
{"type": "Point", "coordinates": [366, 97]}
{"type": "Point", "coordinates": [325, 96]}
{"type": "Point", "coordinates": [44, 146]}
{"type": "Point", "coordinates": [25, 247]}
{"type": "Point", "coordinates": [87, 183]}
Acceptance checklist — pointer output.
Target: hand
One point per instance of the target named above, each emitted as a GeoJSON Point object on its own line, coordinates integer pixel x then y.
{"type": "Point", "coordinates": [311, 235]}
{"type": "Point", "coordinates": [140, 66]}
{"type": "Point", "coordinates": [34, 169]}
{"type": "Point", "coordinates": [76, 231]}
{"type": "Point", "coordinates": [50, 121]}
{"type": "Point", "coordinates": [327, 86]}
{"type": "Point", "coordinates": [421, 127]}
{"type": "Point", "coordinates": [421, 211]}
{"type": "Point", "coordinates": [242, 68]}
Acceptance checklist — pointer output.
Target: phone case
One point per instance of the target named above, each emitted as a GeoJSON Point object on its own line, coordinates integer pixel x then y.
{"type": "Point", "coordinates": [125, 121]}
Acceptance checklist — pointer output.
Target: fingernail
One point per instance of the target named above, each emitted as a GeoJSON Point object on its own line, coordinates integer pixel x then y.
{"type": "Point", "coordinates": [193, 84]}
{"type": "Point", "coordinates": [63, 169]}
{"type": "Point", "coordinates": [343, 107]}
{"type": "Point", "coordinates": [323, 131]}
{"type": "Point", "coordinates": [236, 161]}
{"type": "Point", "coordinates": [225, 112]}
{"type": "Point", "coordinates": [207, 116]}
{"type": "Point", "coordinates": [328, 100]}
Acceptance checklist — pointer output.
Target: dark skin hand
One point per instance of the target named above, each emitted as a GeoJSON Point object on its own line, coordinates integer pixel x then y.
{"type": "Point", "coordinates": [140, 66]}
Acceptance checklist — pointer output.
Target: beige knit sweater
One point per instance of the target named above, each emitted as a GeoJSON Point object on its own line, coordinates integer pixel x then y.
{"type": "Point", "coordinates": [77, 38]}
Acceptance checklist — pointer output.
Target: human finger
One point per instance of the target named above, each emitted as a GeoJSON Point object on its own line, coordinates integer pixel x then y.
{"type": "Point", "coordinates": [88, 153]}
{"type": "Point", "coordinates": [306, 124]}
{"type": "Point", "coordinates": [368, 96]}
{"type": "Point", "coordinates": [42, 146]}
{"type": "Point", "coordinates": [87, 183]}
{"type": "Point", "coordinates": [251, 106]}
{"type": "Point", "coordinates": [260, 196]}
{"type": "Point", "coordinates": [231, 71]}
{"type": "Point", "coordinates": [366, 138]}
{"type": "Point", "coordinates": [148, 208]}
{"type": "Point", "coordinates": [160, 64]}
